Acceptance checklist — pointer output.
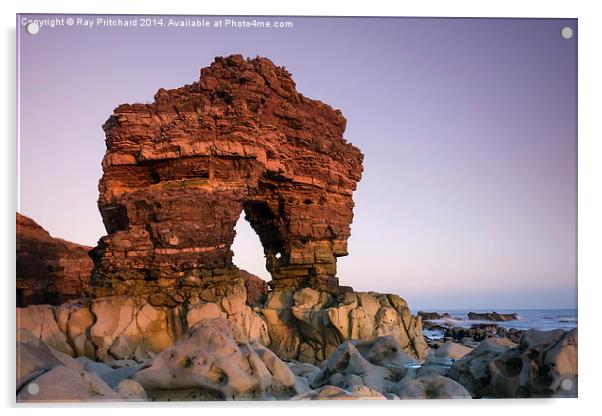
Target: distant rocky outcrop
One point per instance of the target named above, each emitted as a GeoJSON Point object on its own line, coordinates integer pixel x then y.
{"type": "Point", "coordinates": [433, 316]}
{"type": "Point", "coordinates": [480, 332]}
{"type": "Point", "coordinates": [257, 288]}
{"type": "Point", "coordinates": [49, 270]}
{"type": "Point", "coordinates": [492, 316]}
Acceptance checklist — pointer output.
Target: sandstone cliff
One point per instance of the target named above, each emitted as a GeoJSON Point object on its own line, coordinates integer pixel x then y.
{"type": "Point", "coordinates": [178, 173]}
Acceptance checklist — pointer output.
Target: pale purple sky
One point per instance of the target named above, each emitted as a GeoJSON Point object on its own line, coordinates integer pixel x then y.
{"type": "Point", "coordinates": [468, 127]}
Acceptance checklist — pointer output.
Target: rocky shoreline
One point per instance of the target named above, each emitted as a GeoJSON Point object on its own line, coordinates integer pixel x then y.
{"type": "Point", "coordinates": [162, 313]}
{"type": "Point", "coordinates": [292, 347]}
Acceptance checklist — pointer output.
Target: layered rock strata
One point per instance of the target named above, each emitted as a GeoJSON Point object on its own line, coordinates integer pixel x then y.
{"type": "Point", "coordinates": [178, 173]}
{"type": "Point", "coordinates": [49, 270]}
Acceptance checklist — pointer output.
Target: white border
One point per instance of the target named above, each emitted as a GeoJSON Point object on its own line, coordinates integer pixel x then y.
{"type": "Point", "coordinates": [590, 185]}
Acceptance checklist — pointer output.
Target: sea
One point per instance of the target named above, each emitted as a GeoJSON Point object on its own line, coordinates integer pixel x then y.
{"type": "Point", "coordinates": [541, 319]}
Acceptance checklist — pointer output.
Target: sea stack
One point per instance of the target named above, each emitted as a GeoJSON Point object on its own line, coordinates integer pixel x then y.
{"type": "Point", "coordinates": [179, 172]}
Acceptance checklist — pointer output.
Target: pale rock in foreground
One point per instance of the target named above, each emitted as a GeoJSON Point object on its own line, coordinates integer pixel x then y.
{"type": "Point", "coordinates": [376, 364]}
{"type": "Point", "coordinates": [544, 364]}
{"type": "Point", "coordinates": [64, 384]}
{"type": "Point", "coordinates": [431, 386]}
{"type": "Point", "coordinates": [216, 361]}
{"type": "Point", "coordinates": [127, 328]}
{"type": "Point", "coordinates": [308, 325]}
{"type": "Point", "coordinates": [337, 393]}
{"type": "Point", "coordinates": [452, 350]}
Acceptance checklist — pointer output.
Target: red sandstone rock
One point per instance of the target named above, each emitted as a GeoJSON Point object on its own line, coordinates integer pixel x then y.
{"type": "Point", "coordinates": [49, 270]}
{"type": "Point", "coordinates": [178, 172]}
{"type": "Point", "coordinates": [256, 287]}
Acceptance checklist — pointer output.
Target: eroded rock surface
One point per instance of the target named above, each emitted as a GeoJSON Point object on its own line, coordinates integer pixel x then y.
{"type": "Point", "coordinates": [179, 172]}
{"type": "Point", "coordinates": [127, 328]}
{"type": "Point", "coordinates": [214, 360]}
{"type": "Point", "coordinates": [308, 325]}
{"type": "Point", "coordinates": [49, 270]}
{"type": "Point", "coordinates": [47, 375]}
{"type": "Point", "coordinates": [431, 386]}
{"type": "Point", "coordinates": [544, 364]}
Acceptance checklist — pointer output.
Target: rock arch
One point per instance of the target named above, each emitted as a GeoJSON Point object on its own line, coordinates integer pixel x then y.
{"type": "Point", "coordinates": [177, 173]}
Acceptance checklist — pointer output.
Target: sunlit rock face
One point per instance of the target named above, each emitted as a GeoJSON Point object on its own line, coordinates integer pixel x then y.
{"type": "Point", "coordinates": [179, 171]}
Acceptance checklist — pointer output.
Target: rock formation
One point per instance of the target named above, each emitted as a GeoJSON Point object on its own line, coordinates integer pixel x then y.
{"type": "Point", "coordinates": [544, 364]}
{"type": "Point", "coordinates": [121, 327]}
{"type": "Point", "coordinates": [308, 325]}
{"type": "Point", "coordinates": [492, 316]}
{"type": "Point", "coordinates": [257, 288]}
{"type": "Point", "coordinates": [433, 316]}
{"type": "Point", "coordinates": [432, 386]}
{"type": "Point", "coordinates": [178, 173]}
{"type": "Point", "coordinates": [47, 375]}
{"type": "Point", "coordinates": [49, 270]}
{"type": "Point", "coordinates": [214, 360]}
{"type": "Point", "coordinates": [305, 325]}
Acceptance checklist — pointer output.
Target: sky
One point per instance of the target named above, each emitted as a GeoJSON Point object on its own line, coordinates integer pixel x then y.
{"type": "Point", "coordinates": [468, 127]}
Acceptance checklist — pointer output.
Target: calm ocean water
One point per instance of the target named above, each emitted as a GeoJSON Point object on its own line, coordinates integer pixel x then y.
{"type": "Point", "coordinates": [542, 319]}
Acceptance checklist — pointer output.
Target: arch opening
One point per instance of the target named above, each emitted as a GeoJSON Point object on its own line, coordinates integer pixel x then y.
{"type": "Point", "coordinates": [248, 250]}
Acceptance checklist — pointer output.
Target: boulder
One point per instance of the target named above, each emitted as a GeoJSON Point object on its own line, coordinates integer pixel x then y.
{"type": "Point", "coordinates": [337, 393]}
{"type": "Point", "coordinates": [433, 316]}
{"type": "Point", "coordinates": [131, 390]}
{"type": "Point", "coordinates": [34, 358]}
{"type": "Point", "coordinates": [216, 361]}
{"type": "Point", "coordinates": [347, 368]}
{"type": "Point", "coordinates": [452, 350]}
{"type": "Point", "coordinates": [64, 384]}
{"type": "Point", "coordinates": [432, 386]}
{"type": "Point", "coordinates": [492, 316]}
{"type": "Point", "coordinates": [544, 364]}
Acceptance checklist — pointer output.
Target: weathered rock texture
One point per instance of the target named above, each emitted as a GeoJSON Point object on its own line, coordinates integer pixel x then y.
{"type": "Point", "coordinates": [47, 375]}
{"type": "Point", "coordinates": [178, 173]}
{"type": "Point", "coordinates": [544, 364]}
{"type": "Point", "coordinates": [305, 325]}
{"type": "Point", "coordinates": [120, 327]}
{"type": "Point", "coordinates": [214, 360]}
{"type": "Point", "coordinates": [308, 325]}
{"type": "Point", "coordinates": [49, 270]}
